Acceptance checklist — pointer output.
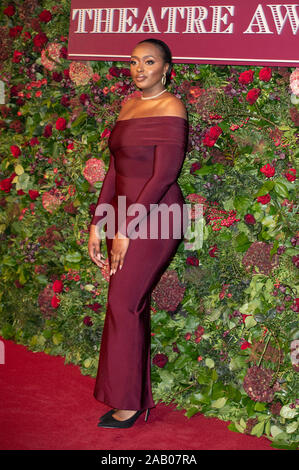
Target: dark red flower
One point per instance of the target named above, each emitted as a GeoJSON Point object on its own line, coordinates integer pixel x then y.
{"type": "Point", "coordinates": [253, 95]}
{"type": "Point", "coordinates": [9, 11]}
{"type": "Point", "coordinates": [160, 360]}
{"type": "Point", "coordinates": [65, 100]}
{"type": "Point", "coordinates": [57, 76]}
{"type": "Point", "coordinates": [87, 321]}
{"type": "Point", "coordinates": [45, 16]}
{"type": "Point", "coordinates": [40, 40]}
{"type": "Point", "coordinates": [192, 260]}
{"type": "Point", "coordinates": [249, 219]}
{"type": "Point", "coordinates": [47, 130]}
{"type": "Point", "coordinates": [15, 31]}
{"type": "Point", "coordinates": [114, 71]}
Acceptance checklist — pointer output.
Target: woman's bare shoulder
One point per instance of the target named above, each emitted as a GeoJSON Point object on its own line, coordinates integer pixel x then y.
{"type": "Point", "coordinates": [175, 106]}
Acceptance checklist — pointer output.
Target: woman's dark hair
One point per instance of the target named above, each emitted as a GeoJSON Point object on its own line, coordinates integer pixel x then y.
{"type": "Point", "coordinates": [167, 56]}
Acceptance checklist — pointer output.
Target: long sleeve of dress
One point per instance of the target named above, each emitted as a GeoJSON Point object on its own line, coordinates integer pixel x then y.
{"type": "Point", "coordinates": [107, 191]}
{"type": "Point", "coordinates": [168, 161]}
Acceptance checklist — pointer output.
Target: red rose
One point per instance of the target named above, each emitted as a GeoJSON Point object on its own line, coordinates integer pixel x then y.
{"type": "Point", "coordinates": [268, 170]}
{"type": "Point", "coordinates": [57, 286]}
{"type": "Point", "coordinates": [60, 124]}
{"type": "Point", "coordinates": [84, 99]}
{"type": "Point", "coordinates": [15, 31]}
{"type": "Point", "coordinates": [253, 95]}
{"type": "Point", "coordinates": [215, 132]}
{"type": "Point", "coordinates": [63, 53]}
{"type": "Point", "coordinates": [57, 76]}
{"type": "Point", "coordinates": [40, 40]}
{"type": "Point", "coordinates": [208, 141]}
{"type": "Point", "coordinates": [249, 219]}
{"type": "Point", "coordinates": [114, 71]}
{"type": "Point", "coordinates": [160, 360]}
{"type": "Point", "coordinates": [87, 321]}
{"type": "Point", "coordinates": [15, 150]}
{"type": "Point", "coordinates": [66, 73]}
{"type": "Point", "coordinates": [47, 131]}
{"type": "Point", "coordinates": [9, 11]}
{"type": "Point", "coordinates": [45, 16]}
{"type": "Point", "coordinates": [264, 199]}
{"type": "Point", "coordinates": [65, 100]}
{"type": "Point", "coordinates": [34, 141]}
{"type": "Point", "coordinates": [291, 176]}
{"type": "Point", "coordinates": [5, 185]}
{"type": "Point", "coordinates": [105, 133]}
{"type": "Point", "coordinates": [245, 345]}
{"type": "Point", "coordinates": [17, 56]}
{"type": "Point", "coordinates": [265, 74]}
{"type": "Point", "coordinates": [55, 301]}
{"type": "Point", "coordinates": [192, 260]}
{"type": "Point", "coordinates": [246, 77]}
{"type": "Point", "coordinates": [33, 194]}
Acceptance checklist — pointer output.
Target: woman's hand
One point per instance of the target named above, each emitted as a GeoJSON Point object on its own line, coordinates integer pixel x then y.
{"type": "Point", "coordinates": [118, 252]}
{"type": "Point", "coordinates": [94, 248]}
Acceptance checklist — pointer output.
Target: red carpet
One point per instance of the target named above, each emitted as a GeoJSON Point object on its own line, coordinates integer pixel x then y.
{"type": "Point", "coordinates": [46, 405]}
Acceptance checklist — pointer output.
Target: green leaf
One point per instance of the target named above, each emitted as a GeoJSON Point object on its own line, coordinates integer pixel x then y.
{"type": "Point", "coordinates": [209, 363]}
{"type": "Point", "coordinates": [281, 190]}
{"type": "Point", "coordinates": [191, 412]}
{"type": "Point", "coordinates": [258, 429]}
{"type": "Point", "coordinates": [287, 412]}
{"type": "Point", "coordinates": [73, 257]}
{"type": "Point", "coordinates": [219, 403]}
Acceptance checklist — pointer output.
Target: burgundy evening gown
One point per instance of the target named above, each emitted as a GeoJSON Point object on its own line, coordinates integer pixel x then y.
{"type": "Point", "coordinates": [146, 157]}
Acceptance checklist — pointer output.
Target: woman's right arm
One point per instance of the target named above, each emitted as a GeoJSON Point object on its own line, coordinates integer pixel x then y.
{"type": "Point", "coordinates": [106, 194]}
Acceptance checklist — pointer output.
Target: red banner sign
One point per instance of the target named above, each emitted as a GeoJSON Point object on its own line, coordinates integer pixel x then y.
{"type": "Point", "coordinates": [205, 31]}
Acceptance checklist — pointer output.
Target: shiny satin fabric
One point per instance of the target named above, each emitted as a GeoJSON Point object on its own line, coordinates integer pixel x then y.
{"type": "Point", "coordinates": [146, 158]}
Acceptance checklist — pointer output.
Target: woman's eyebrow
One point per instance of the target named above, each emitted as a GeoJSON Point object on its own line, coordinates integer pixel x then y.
{"type": "Point", "coordinates": [136, 57]}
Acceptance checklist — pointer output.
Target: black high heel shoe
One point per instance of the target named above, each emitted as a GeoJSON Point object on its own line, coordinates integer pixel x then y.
{"type": "Point", "coordinates": [107, 420]}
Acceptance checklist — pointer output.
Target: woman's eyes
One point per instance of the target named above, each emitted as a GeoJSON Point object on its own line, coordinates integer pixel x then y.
{"type": "Point", "coordinates": [150, 61]}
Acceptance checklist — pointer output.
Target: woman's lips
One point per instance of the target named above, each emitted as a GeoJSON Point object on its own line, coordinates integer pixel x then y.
{"type": "Point", "coordinates": [140, 78]}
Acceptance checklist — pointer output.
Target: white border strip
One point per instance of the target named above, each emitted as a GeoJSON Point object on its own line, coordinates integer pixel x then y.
{"type": "Point", "coordinates": [191, 58]}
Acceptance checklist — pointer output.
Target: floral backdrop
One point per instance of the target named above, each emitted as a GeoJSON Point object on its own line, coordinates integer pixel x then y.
{"type": "Point", "coordinates": [225, 336]}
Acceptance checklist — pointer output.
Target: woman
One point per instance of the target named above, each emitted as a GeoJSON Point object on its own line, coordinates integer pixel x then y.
{"type": "Point", "coordinates": [148, 145]}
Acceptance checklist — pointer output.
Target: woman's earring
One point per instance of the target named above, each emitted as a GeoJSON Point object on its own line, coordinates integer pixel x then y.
{"type": "Point", "coordinates": [164, 79]}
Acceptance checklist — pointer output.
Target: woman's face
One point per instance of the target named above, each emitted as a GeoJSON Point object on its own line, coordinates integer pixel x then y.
{"type": "Point", "coordinates": [147, 66]}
